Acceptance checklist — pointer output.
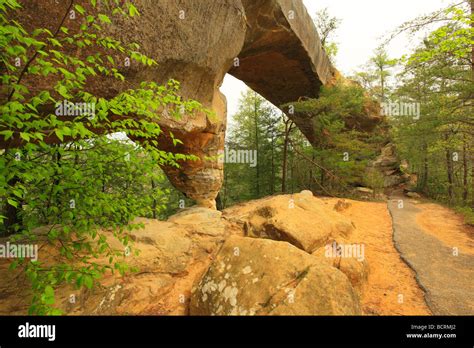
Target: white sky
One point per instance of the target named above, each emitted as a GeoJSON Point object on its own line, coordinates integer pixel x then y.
{"type": "Point", "coordinates": [363, 24]}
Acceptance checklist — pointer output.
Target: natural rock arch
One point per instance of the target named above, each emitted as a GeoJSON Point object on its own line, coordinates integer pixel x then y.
{"type": "Point", "coordinates": [197, 42]}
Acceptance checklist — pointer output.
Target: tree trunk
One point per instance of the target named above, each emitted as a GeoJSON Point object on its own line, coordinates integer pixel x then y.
{"type": "Point", "coordinates": [310, 183]}
{"type": "Point", "coordinates": [472, 49]}
{"type": "Point", "coordinates": [285, 163]}
{"type": "Point", "coordinates": [472, 106]}
{"type": "Point", "coordinates": [219, 203]}
{"type": "Point", "coordinates": [292, 175]}
{"type": "Point", "coordinates": [472, 176]}
{"type": "Point", "coordinates": [288, 129]}
{"type": "Point", "coordinates": [424, 181]}
{"type": "Point", "coordinates": [382, 85]}
{"type": "Point", "coordinates": [323, 173]}
{"type": "Point", "coordinates": [256, 144]}
{"type": "Point", "coordinates": [153, 207]}
{"type": "Point", "coordinates": [449, 169]}
{"type": "Point", "coordinates": [11, 213]}
{"type": "Point", "coordinates": [272, 182]}
{"type": "Point", "coordinates": [465, 165]}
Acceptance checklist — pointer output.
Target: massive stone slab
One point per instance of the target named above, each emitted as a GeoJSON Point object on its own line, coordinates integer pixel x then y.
{"type": "Point", "coordinates": [291, 218]}
{"type": "Point", "coordinates": [264, 277]}
{"type": "Point", "coordinates": [282, 58]}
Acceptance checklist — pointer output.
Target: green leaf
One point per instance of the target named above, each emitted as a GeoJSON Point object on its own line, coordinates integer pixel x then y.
{"type": "Point", "coordinates": [79, 280]}
{"type": "Point", "coordinates": [48, 296]}
{"type": "Point", "coordinates": [13, 265]}
{"type": "Point", "coordinates": [7, 134]}
{"type": "Point", "coordinates": [88, 281]}
{"type": "Point", "coordinates": [12, 202]}
{"type": "Point", "coordinates": [55, 42]}
{"type": "Point", "coordinates": [56, 312]}
{"type": "Point", "coordinates": [49, 291]}
{"type": "Point", "coordinates": [25, 136]}
{"type": "Point", "coordinates": [59, 134]}
{"type": "Point", "coordinates": [104, 18]}
{"type": "Point", "coordinates": [132, 10]}
{"type": "Point", "coordinates": [80, 9]}
{"type": "Point", "coordinates": [63, 91]}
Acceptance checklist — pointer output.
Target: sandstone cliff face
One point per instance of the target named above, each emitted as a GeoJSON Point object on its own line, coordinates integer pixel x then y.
{"type": "Point", "coordinates": [196, 43]}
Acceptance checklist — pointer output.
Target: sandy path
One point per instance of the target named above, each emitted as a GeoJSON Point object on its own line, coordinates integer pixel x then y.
{"type": "Point", "coordinates": [389, 276]}
{"type": "Point", "coordinates": [447, 226]}
{"type": "Point", "coordinates": [426, 242]}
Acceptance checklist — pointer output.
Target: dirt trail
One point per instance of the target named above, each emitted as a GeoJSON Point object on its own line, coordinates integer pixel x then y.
{"type": "Point", "coordinates": [389, 276]}
{"type": "Point", "coordinates": [436, 245]}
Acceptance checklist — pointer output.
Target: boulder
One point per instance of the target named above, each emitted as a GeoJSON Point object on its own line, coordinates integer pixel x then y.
{"type": "Point", "coordinates": [355, 268]}
{"type": "Point", "coordinates": [393, 180]}
{"type": "Point", "coordinates": [291, 218]}
{"type": "Point", "coordinates": [365, 190]}
{"type": "Point", "coordinates": [388, 157]}
{"type": "Point", "coordinates": [201, 252]}
{"type": "Point", "coordinates": [172, 256]}
{"type": "Point", "coordinates": [389, 166]}
{"type": "Point", "coordinates": [341, 205]}
{"type": "Point", "coordinates": [413, 195]}
{"type": "Point", "coordinates": [263, 277]}
{"type": "Point", "coordinates": [200, 220]}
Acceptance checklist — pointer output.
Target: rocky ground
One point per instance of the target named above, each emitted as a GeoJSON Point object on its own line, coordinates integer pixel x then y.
{"type": "Point", "coordinates": [272, 256]}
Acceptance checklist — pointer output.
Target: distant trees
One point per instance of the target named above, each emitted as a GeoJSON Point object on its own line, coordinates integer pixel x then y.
{"type": "Point", "coordinates": [343, 145]}
{"type": "Point", "coordinates": [256, 132]}
{"type": "Point", "coordinates": [326, 26]}
{"type": "Point", "coordinates": [331, 166]}
{"type": "Point", "coordinates": [438, 75]}
{"type": "Point", "coordinates": [375, 78]}
{"type": "Point", "coordinates": [289, 126]}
